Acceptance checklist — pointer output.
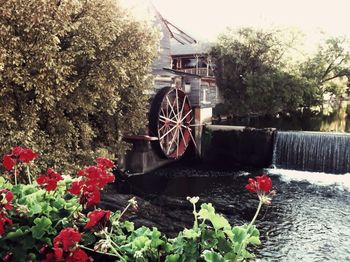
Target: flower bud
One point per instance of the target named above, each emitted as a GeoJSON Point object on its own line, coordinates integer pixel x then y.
{"type": "Point", "coordinates": [193, 200]}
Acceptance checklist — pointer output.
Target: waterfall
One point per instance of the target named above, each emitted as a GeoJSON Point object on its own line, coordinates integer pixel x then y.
{"type": "Point", "coordinates": [312, 151]}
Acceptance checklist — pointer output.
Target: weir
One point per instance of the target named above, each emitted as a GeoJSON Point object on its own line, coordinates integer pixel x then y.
{"type": "Point", "coordinates": [312, 151]}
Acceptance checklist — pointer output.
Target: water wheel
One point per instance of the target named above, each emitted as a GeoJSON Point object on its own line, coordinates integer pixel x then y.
{"type": "Point", "coordinates": [170, 119]}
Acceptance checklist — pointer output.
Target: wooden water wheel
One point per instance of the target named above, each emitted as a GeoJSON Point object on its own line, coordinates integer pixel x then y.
{"type": "Point", "coordinates": [170, 121]}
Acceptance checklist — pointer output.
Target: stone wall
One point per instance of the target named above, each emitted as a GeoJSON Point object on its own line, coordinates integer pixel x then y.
{"type": "Point", "coordinates": [233, 146]}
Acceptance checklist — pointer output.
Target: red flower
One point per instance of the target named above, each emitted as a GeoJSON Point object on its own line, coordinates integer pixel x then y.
{"type": "Point", "coordinates": [262, 184]}
{"type": "Point", "coordinates": [50, 257]}
{"type": "Point", "coordinates": [49, 180]}
{"type": "Point", "coordinates": [93, 179]}
{"type": "Point", "coordinates": [7, 257]}
{"type": "Point", "coordinates": [97, 176]}
{"type": "Point", "coordinates": [8, 162]}
{"type": "Point", "coordinates": [20, 154]}
{"type": "Point", "coordinates": [6, 199]}
{"type": "Point", "coordinates": [4, 220]}
{"type": "Point", "coordinates": [77, 255]}
{"type": "Point", "coordinates": [91, 196]}
{"type": "Point", "coordinates": [65, 247]}
{"type": "Point", "coordinates": [76, 187]}
{"type": "Point", "coordinates": [89, 193]}
{"type": "Point", "coordinates": [97, 217]}
{"type": "Point", "coordinates": [58, 253]}
{"type": "Point", "coordinates": [104, 163]}
{"type": "Point", "coordinates": [67, 239]}
{"type": "Point", "coordinates": [24, 155]}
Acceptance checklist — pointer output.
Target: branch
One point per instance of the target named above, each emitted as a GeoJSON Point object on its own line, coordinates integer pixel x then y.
{"type": "Point", "coordinates": [340, 74]}
{"type": "Point", "coordinates": [331, 67]}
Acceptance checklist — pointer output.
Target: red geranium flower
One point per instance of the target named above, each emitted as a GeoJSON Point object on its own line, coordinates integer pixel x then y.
{"type": "Point", "coordinates": [97, 217]}
{"type": "Point", "coordinates": [67, 239]}
{"type": "Point", "coordinates": [78, 255]}
{"type": "Point", "coordinates": [7, 257]}
{"type": "Point", "coordinates": [97, 176]}
{"type": "Point", "coordinates": [93, 179]}
{"type": "Point", "coordinates": [262, 184]}
{"type": "Point", "coordinates": [4, 220]}
{"type": "Point", "coordinates": [50, 257]}
{"type": "Point", "coordinates": [49, 180]}
{"type": "Point", "coordinates": [6, 199]}
{"type": "Point", "coordinates": [91, 196]}
{"type": "Point", "coordinates": [8, 162]}
{"type": "Point", "coordinates": [24, 155]}
{"type": "Point", "coordinates": [104, 163]}
{"type": "Point", "coordinates": [76, 187]}
{"type": "Point", "coordinates": [21, 154]}
{"type": "Point", "coordinates": [65, 247]}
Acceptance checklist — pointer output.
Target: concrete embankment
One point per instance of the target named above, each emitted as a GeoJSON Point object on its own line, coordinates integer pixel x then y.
{"type": "Point", "coordinates": [237, 146]}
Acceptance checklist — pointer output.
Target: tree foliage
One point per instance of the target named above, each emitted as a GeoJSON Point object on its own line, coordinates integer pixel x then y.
{"type": "Point", "coordinates": [253, 73]}
{"type": "Point", "coordinates": [258, 72]}
{"type": "Point", "coordinates": [328, 70]}
{"type": "Point", "coordinates": [72, 76]}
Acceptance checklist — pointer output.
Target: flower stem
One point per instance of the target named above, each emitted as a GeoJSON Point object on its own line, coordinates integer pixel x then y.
{"type": "Point", "coordinates": [67, 218]}
{"type": "Point", "coordinates": [103, 253]}
{"type": "Point", "coordinates": [123, 212]}
{"type": "Point", "coordinates": [15, 175]}
{"type": "Point", "coordinates": [28, 175]}
{"type": "Point", "coordinates": [256, 213]}
{"type": "Point", "coordinates": [126, 208]}
{"type": "Point", "coordinates": [195, 224]}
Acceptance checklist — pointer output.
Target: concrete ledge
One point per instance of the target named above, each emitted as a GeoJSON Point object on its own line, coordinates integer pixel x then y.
{"type": "Point", "coordinates": [142, 158]}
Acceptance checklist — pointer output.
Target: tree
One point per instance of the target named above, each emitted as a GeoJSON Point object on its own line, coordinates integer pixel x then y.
{"type": "Point", "coordinates": [253, 71]}
{"type": "Point", "coordinates": [72, 76]}
{"type": "Point", "coordinates": [328, 70]}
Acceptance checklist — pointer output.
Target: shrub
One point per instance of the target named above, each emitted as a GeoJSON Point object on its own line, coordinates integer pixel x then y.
{"type": "Point", "coordinates": [72, 76]}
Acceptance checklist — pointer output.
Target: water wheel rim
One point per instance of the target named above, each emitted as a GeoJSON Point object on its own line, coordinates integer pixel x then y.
{"type": "Point", "coordinates": [174, 116]}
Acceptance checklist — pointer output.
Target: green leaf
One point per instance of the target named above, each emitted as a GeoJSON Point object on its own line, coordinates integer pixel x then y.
{"type": "Point", "coordinates": [140, 242]}
{"type": "Point", "coordinates": [211, 256]}
{"type": "Point", "coordinates": [88, 238]}
{"type": "Point", "coordinates": [224, 245]}
{"type": "Point", "coordinates": [207, 212]}
{"type": "Point", "coordinates": [155, 237]}
{"type": "Point", "coordinates": [190, 233]}
{"type": "Point", "coordinates": [129, 226]}
{"type": "Point", "coordinates": [209, 239]}
{"type": "Point", "coordinates": [172, 258]}
{"type": "Point", "coordinates": [254, 240]}
{"type": "Point", "coordinates": [35, 209]}
{"type": "Point", "coordinates": [18, 233]}
{"type": "Point", "coordinates": [42, 225]}
{"type": "Point", "coordinates": [220, 222]}
{"type": "Point", "coordinates": [239, 234]}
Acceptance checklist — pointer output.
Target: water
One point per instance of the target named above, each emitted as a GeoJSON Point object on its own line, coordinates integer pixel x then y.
{"type": "Point", "coordinates": [334, 118]}
{"type": "Point", "coordinates": [313, 151]}
{"type": "Point", "coordinates": [308, 220]}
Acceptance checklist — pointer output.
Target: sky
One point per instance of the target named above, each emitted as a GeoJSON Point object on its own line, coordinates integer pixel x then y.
{"type": "Point", "coordinates": [205, 19]}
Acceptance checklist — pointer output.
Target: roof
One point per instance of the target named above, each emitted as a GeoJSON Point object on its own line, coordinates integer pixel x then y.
{"type": "Point", "coordinates": [177, 48]}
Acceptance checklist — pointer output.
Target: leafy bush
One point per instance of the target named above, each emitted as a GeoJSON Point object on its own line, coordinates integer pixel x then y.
{"type": "Point", "coordinates": [72, 77]}
{"type": "Point", "coordinates": [54, 218]}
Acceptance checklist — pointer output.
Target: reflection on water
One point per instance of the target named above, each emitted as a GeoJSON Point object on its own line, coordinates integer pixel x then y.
{"type": "Point", "coordinates": [307, 220]}
{"type": "Point", "coordinates": [331, 120]}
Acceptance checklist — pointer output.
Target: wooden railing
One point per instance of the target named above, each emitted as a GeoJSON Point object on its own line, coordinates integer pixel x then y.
{"type": "Point", "coordinates": [198, 71]}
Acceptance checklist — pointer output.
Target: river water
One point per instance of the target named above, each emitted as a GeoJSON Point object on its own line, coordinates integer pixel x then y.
{"type": "Point", "coordinates": [308, 220]}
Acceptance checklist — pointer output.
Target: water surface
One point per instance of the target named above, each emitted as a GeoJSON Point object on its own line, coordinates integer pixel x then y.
{"type": "Point", "coordinates": [308, 220]}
